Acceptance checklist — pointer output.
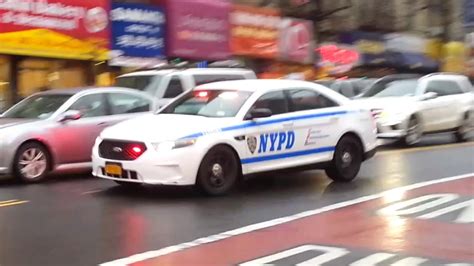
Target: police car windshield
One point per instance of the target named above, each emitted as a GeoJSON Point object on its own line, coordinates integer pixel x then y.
{"type": "Point", "coordinates": [212, 103]}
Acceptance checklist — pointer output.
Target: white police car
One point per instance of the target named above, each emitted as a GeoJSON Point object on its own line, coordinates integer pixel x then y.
{"type": "Point", "coordinates": [216, 133]}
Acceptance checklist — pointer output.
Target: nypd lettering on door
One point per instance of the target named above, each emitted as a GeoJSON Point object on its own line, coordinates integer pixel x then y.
{"type": "Point", "coordinates": [271, 142]}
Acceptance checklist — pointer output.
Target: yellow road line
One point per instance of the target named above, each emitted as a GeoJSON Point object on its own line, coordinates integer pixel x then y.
{"type": "Point", "coordinates": [11, 202]}
{"type": "Point", "coordinates": [428, 148]}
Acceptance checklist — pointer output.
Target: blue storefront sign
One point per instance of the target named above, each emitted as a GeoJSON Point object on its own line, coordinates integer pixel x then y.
{"type": "Point", "coordinates": [137, 35]}
{"type": "Point", "coordinates": [468, 13]}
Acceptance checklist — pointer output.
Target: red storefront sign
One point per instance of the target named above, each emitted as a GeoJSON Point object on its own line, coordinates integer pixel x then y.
{"type": "Point", "coordinates": [55, 28]}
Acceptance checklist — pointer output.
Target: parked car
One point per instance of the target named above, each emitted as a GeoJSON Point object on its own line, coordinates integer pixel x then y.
{"type": "Point", "coordinates": [166, 84]}
{"type": "Point", "coordinates": [408, 108]}
{"type": "Point", "coordinates": [55, 130]}
{"type": "Point", "coordinates": [350, 88]}
{"type": "Point", "coordinates": [381, 83]}
{"type": "Point", "coordinates": [212, 135]}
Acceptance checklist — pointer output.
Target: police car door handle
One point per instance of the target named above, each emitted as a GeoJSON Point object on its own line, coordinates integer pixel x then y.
{"type": "Point", "coordinates": [289, 124]}
{"type": "Point", "coordinates": [334, 119]}
{"type": "Point", "coordinates": [103, 124]}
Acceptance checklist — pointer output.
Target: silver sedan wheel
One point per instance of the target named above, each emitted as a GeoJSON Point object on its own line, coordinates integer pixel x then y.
{"type": "Point", "coordinates": [413, 133]}
{"type": "Point", "coordinates": [467, 126]}
{"type": "Point", "coordinates": [32, 163]}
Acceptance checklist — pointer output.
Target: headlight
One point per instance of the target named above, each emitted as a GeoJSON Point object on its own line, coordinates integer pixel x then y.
{"type": "Point", "coordinates": [392, 115]}
{"type": "Point", "coordinates": [169, 145]}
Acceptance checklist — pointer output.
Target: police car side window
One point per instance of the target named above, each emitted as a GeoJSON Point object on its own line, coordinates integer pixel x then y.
{"type": "Point", "coordinates": [275, 101]}
{"type": "Point", "coordinates": [175, 88]}
{"type": "Point", "coordinates": [305, 99]}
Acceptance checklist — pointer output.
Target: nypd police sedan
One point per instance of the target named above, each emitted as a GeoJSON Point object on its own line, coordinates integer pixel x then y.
{"type": "Point", "coordinates": [215, 134]}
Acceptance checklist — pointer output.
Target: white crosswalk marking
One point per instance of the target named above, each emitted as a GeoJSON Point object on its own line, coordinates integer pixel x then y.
{"type": "Point", "coordinates": [467, 216]}
{"type": "Point", "coordinates": [410, 261]}
{"type": "Point", "coordinates": [373, 259]}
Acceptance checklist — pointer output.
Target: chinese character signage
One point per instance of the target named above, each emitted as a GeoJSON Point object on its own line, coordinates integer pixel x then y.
{"type": "Point", "coordinates": [137, 35]}
{"type": "Point", "coordinates": [337, 58]}
{"type": "Point", "coordinates": [75, 29]}
{"type": "Point", "coordinates": [255, 31]}
{"type": "Point", "coordinates": [198, 29]}
{"type": "Point", "coordinates": [295, 42]}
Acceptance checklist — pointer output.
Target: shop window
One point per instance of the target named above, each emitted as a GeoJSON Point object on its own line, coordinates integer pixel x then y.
{"type": "Point", "coordinates": [42, 74]}
{"type": "Point", "coordinates": [5, 90]}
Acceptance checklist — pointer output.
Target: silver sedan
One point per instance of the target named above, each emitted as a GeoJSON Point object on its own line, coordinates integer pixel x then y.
{"type": "Point", "coordinates": [54, 131]}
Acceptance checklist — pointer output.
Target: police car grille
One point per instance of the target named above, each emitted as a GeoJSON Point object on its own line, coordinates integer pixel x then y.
{"type": "Point", "coordinates": [120, 150]}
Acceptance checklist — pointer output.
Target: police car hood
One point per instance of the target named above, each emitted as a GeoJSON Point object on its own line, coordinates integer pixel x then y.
{"type": "Point", "coordinates": [163, 127]}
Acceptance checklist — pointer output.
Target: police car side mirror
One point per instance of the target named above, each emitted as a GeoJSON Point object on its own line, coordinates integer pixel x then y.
{"type": "Point", "coordinates": [259, 113]}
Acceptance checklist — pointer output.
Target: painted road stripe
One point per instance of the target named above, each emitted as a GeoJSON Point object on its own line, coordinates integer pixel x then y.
{"type": "Point", "coordinates": [209, 239]}
{"type": "Point", "coordinates": [7, 203]}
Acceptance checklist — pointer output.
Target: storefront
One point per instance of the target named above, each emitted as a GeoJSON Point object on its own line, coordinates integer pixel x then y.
{"type": "Point", "coordinates": [410, 53]}
{"type": "Point", "coordinates": [4, 82]}
{"type": "Point", "coordinates": [50, 44]}
{"type": "Point", "coordinates": [197, 30]}
{"type": "Point", "coordinates": [373, 60]}
{"type": "Point", "coordinates": [137, 36]}
{"type": "Point", "coordinates": [469, 68]}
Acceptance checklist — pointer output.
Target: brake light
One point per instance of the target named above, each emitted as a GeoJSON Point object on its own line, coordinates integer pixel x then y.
{"type": "Point", "coordinates": [202, 94]}
{"type": "Point", "coordinates": [135, 150]}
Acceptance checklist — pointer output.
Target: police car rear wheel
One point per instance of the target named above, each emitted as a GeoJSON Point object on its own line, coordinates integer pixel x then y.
{"type": "Point", "coordinates": [347, 160]}
{"type": "Point", "coordinates": [219, 171]}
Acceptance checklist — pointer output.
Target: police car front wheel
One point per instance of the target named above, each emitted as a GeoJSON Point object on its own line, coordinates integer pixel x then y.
{"type": "Point", "coordinates": [219, 171]}
{"type": "Point", "coordinates": [347, 160]}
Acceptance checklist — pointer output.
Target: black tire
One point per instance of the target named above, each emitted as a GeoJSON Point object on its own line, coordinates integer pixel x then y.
{"type": "Point", "coordinates": [219, 171]}
{"type": "Point", "coordinates": [347, 160]}
{"type": "Point", "coordinates": [128, 184]}
{"type": "Point", "coordinates": [463, 131]}
{"type": "Point", "coordinates": [39, 168]}
{"type": "Point", "coordinates": [414, 132]}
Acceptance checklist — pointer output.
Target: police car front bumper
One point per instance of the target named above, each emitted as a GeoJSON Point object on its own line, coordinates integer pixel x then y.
{"type": "Point", "coordinates": [153, 167]}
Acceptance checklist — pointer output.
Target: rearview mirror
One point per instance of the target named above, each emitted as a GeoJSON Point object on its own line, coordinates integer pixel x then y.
{"type": "Point", "coordinates": [429, 96]}
{"type": "Point", "coordinates": [260, 113]}
{"type": "Point", "coordinates": [70, 116]}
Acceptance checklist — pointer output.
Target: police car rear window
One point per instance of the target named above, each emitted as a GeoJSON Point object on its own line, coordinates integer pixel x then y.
{"type": "Point", "coordinates": [209, 103]}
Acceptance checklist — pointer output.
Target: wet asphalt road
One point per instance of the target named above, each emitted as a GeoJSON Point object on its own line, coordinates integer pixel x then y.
{"type": "Point", "coordinates": [80, 220]}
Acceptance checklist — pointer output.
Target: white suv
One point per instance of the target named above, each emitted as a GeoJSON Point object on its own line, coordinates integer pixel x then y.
{"type": "Point", "coordinates": [406, 109]}
{"type": "Point", "coordinates": [166, 84]}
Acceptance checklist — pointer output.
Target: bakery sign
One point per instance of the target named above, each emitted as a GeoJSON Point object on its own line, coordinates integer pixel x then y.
{"type": "Point", "coordinates": [74, 29]}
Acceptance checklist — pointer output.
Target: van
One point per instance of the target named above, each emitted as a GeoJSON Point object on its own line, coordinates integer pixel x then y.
{"type": "Point", "coordinates": [166, 84]}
